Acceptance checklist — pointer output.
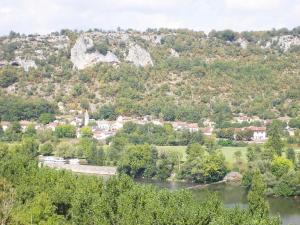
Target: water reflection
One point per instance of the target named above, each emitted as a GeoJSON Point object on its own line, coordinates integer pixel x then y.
{"type": "Point", "coordinates": [232, 195]}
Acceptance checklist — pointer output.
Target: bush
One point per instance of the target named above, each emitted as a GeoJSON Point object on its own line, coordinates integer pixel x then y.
{"type": "Point", "coordinates": [46, 118]}
{"type": "Point", "coordinates": [65, 131]}
{"type": "Point", "coordinates": [225, 142]}
{"type": "Point", "coordinates": [8, 77]}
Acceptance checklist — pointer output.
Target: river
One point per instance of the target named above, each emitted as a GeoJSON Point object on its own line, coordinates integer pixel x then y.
{"type": "Point", "coordinates": [232, 195]}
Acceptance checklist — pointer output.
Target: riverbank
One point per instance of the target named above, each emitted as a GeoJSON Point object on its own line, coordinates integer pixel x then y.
{"type": "Point", "coordinates": [232, 195]}
{"type": "Point", "coordinates": [84, 169]}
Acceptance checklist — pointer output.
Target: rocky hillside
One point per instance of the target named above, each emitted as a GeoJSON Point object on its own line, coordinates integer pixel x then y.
{"type": "Point", "coordinates": [175, 74]}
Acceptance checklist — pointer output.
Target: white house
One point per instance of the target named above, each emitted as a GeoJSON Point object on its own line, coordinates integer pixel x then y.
{"type": "Point", "coordinates": [259, 133]}
{"type": "Point", "coordinates": [104, 125]}
{"type": "Point", "coordinates": [193, 127]}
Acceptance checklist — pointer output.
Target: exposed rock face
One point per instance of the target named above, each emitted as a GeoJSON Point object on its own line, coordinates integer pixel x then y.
{"type": "Point", "coordinates": [81, 59]}
{"type": "Point", "coordinates": [243, 43]}
{"type": "Point", "coordinates": [26, 64]}
{"type": "Point", "coordinates": [284, 42]}
{"type": "Point", "coordinates": [154, 39]}
{"type": "Point", "coordinates": [139, 56]}
{"type": "Point", "coordinates": [287, 41]}
{"type": "Point", "coordinates": [174, 53]}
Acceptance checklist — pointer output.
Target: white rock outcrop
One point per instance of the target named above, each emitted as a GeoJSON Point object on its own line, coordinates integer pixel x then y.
{"type": "Point", "coordinates": [287, 41]}
{"type": "Point", "coordinates": [81, 59]}
{"type": "Point", "coordinates": [26, 64]}
{"type": "Point", "coordinates": [284, 42]}
{"type": "Point", "coordinates": [154, 39]}
{"type": "Point", "coordinates": [174, 53]}
{"type": "Point", "coordinates": [243, 43]}
{"type": "Point", "coordinates": [139, 56]}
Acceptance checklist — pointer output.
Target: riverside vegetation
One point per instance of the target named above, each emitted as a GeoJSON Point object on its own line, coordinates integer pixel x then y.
{"type": "Point", "coordinates": [133, 150]}
{"type": "Point", "coordinates": [33, 195]}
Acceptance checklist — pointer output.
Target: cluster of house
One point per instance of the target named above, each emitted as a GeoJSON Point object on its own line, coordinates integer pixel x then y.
{"type": "Point", "coordinates": [102, 129]}
{"type": "Point", "coordinates": [260, 132]}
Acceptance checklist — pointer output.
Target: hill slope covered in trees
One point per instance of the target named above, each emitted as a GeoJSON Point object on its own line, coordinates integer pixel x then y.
{"type": "Point", "coordinates": [172, 74]}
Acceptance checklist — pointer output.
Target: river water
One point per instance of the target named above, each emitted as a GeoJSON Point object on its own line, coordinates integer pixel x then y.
{"type": "Point", "coordinates": [287, 208]}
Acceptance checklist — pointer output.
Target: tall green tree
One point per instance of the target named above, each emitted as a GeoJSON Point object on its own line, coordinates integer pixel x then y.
{"type": "Point", "coordinates": [275, 142]}
{"type": "Point", "coordinates": [7, 201]}
{"type": "Point", "coordinates": [258, 206]}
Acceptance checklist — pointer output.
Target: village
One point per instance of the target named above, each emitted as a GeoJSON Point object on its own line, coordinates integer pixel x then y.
{"type": "Point", "coordinates": [103, 129]}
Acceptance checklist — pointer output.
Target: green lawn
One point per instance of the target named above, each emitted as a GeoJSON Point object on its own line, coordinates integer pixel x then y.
{"type": "Point", "coordinates": [229, 153]}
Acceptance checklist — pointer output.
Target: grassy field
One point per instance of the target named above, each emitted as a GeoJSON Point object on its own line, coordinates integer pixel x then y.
{"type": "Point", "coordinates": [227, 151]}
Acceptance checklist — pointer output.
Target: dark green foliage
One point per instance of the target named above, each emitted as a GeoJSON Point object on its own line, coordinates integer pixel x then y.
{"type": "Point", "coordinates": [13, 133]}
{"type": "Point", "coordinates": [258, 205]}
{"type": "Point", "coordinates": [9, 50]}
{"type": "Point", "coordinates": [46, 149]}
{"type": "Point", "coordinates": [275, 142]}
{"type": "Point", "coordinates": [203, 167]}
{"type": "Point", "coordinates": [45, 196]}
{"type": "Point", "coordinates": [65, 131]}
{"type": "Point", "coordinates": [135, 160]}
{"type": "Point", "coordinates": [164, 167]}
{"type": "Point", "coordinates": [107, 112]}
{"type": "Point", "coordinates": [226, 35]}
{"type": "Point", "coordinates": [295, 122]}
{"type": "Point", "coordinates": [8, 76]}
{"type": "Point", "coordinates": [101, 47]}
{"type": "Point", "coordinates": [16, 108]}
{"type": "Point", "coordinates": [279, 173]}
{"type": "Point", "coordinates": [30, 131]}
{"type": "Point", "coordinates": [291, 155]}
{"type": "Point", "coordinates": [157, 135]}
{"type": "Point", "coordinates": [46, 118]}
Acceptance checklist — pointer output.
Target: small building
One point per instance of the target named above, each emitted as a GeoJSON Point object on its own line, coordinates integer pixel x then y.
{"type": "Point", "coordinates": [259, 133]}
{"type": "Point", "coordinates": [207, 131]}
{"type": "Point", "coordinates": [193, 127]}
{"type": "Point", "coordinates": [104, 125]}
